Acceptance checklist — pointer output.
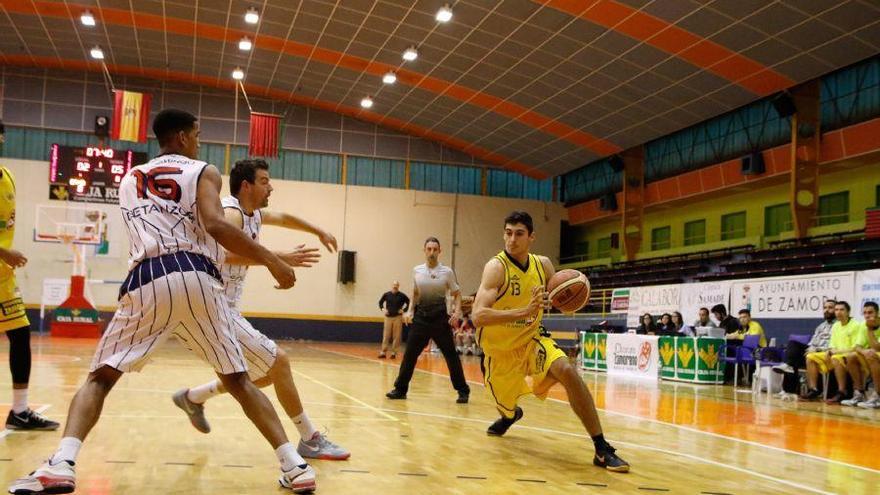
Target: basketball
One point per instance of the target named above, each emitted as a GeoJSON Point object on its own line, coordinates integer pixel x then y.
{"type": "Point", "coordinates": [569, 290]}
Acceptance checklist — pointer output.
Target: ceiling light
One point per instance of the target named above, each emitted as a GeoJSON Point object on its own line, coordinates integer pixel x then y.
{"type": "Point", "coordinates": [252, 16]}
{"type": "Point", "coordinates": [87, 19]}
{"type": "Point", "coordinates": [410, 54]}
{"type": "Point", "coordinates": [245, 44]}
{"type": "Point", "coordinates": [97, 53]}
{"type": "Point", "coordinates": [367, 102]}
{"type": "Point", "coordinates": [238, 74]}
{"type": "Point", "coordinates": [444, 14]}
{"type": "Point", "coordinates": [389, 78]}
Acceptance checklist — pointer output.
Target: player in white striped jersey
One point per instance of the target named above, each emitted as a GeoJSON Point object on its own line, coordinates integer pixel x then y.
{"type": "Point", "coordinates": [176, 227]}
{"type": "Point", "coordinates": [267, 363]}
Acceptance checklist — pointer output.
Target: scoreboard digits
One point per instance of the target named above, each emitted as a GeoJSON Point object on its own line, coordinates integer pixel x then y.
{"type": "Point", "coordinates": [90, 173]}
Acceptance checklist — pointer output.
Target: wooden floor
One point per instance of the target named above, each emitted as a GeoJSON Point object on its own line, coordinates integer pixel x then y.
{"type": "Point", "coordinates": [679, 438]}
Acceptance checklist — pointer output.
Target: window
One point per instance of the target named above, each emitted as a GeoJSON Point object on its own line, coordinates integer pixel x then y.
{"type": "Point", "coordinates": [833, 208]}
{"type": "Point", "coordinates": [603, 247]}
{"type": "Point", "coordinates": [733, 226]}
{"type": "Point", "coordinates": [695, 233]}
{"type": "Point", "coordinates": [777, 219]}
{"type": "Point", "coordinates": [581, 248]}
{"type": "Point", "coordinates": [661, 238]}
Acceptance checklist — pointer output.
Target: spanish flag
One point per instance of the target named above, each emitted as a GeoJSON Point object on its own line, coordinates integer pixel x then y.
{"type": "Point", "coordinates": [131, 114]}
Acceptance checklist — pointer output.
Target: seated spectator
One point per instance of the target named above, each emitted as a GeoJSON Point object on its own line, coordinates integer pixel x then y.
{"type": "Point", "coordinates": [464, 330]}
{"type": "Point", "coordinates": [863, 361]}
{"type": "Point", "coordinates": [666, 327]}
{"type": "Point", "coordinates": [703, 319]}
{"type": "Point", "coordinates": [725, 321]}
{"type": "Point", "coordinates": [748, 326]}
{"type": "Point", "coordinates": [843, 334]}
{"type": "Point", "coordinates": [647, 326]}
{"type": "Point", "coordinates": [796, 352]}
{"type": "Point", "coordinates": [678, 322]}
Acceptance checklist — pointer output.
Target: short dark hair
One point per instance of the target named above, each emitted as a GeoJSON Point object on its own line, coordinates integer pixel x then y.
{"type": "Point", "coordinates": [720, 309]}
{"type": "Point", "coordinates": [245, 170]}
{"type": "Point", "coordinates": [871, 304]}
{"type": "Point", "coordinates": [844, 304]}
{"type": "Point", "coordinates": [832, 301]}
{"type": "Point", "coordinates": [431, 239]}
{"type": "Point", "coordinates": [745, 312]}
{"type": "Point", "coordinates": [170, 121]}
{"type": "Point", "coordinates": [703, 309]}
{"type": "Point", "coordinates": [522, 217]}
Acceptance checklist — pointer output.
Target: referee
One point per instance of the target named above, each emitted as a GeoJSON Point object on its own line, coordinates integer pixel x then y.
{"type": "Point", "coordinates": [431, 320]}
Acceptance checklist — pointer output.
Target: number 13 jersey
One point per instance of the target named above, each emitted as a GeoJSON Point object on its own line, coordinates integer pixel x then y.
{"type": "Point", "coordinates": [158, 203]}
{"type": "Point", "coordinates": [515, 292]}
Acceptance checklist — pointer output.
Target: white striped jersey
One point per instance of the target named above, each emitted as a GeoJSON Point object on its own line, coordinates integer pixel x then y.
{"type": "Point", "coordinates": [234, 275]}
{"type": "Point", "coordinates": [158, 203]}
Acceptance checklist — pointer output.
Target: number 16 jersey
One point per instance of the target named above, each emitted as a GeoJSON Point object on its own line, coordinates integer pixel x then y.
{"type": "Point", "coordinates": [158, 203]}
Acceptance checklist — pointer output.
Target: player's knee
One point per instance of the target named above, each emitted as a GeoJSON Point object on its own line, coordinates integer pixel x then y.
{"type": "Point", "coordinates": [103, 379]}
{"type": "Point", "coordinates": [19, 340]}
{"type": "Point", "coordinates": [235, 383]}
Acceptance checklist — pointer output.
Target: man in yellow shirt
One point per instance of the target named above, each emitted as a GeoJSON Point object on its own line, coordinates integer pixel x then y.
{"type": "Point", "coordinates": [864, 360]}
{"type": "Point", "coordinates": [748, 326]}
{"type": "Point", "coordinates": [844, 336]}
{"type": "Point", "coordinates": [519, 360]}
{"type": "Point", "coordinates": [13, 320]}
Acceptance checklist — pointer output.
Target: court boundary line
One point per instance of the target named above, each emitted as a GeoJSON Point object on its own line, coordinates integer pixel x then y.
{"type": "Point", "coordinates": [347, 396]}
{"type": "Point", "coordinates": [640, 418]}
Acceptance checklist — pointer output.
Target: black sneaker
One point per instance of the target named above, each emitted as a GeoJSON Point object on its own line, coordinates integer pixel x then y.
{"type": "Point", "coordinates": [811, 395]}
{"type": "Point", "coordinates": [462, 398]}
{"type": "Point", "coordinates": [396, 395]}
{"type": "Point", "coordinates": [500, 427]}
{"type": "Point", "coordinates": [30, 420]}
{"type": "Point", "coordinates": [609, 460]}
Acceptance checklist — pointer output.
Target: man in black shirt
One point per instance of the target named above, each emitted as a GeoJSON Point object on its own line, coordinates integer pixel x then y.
{"type": "Point", "coordinates": [725, 321]}
{"type": "Point", "coordinates": [393, 303]}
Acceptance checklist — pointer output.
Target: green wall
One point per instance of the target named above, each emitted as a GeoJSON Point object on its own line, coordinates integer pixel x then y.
{"type": "Point", "coordinates": [862, 184]}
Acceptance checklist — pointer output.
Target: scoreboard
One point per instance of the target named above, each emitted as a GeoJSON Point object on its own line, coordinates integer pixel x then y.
{"type": "Point", "coordinates": [89, 173]}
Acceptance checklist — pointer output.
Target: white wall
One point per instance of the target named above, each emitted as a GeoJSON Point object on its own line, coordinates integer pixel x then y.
{"type": "Point", "coordinates": [385, 226]}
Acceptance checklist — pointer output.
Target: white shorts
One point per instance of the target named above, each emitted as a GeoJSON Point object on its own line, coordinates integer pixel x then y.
{"type": "Point", "coordinates": [190, 304]}
{"type": "Point", "coordinates": [259, 350]}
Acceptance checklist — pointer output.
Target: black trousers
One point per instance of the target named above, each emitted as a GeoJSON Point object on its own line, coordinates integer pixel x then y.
{"type": "Point", "coordinates": [422, 331]}
{"type": "Point", "coordinates": [795, 356]}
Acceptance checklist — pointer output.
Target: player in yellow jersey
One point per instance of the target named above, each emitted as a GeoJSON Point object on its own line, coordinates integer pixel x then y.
{"type": "Point", "coordinates": [13, 320]}
{"type": "Point", "coordinates": [518, 359]}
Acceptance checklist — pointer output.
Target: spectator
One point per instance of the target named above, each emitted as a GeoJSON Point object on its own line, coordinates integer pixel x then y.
{"type": "Point", "coordinates": [666, 327]}
{"type": "Point", "coordinates": [393, 304]}
{"type": "Point", "coordinates": [725, 321]}
{"type": "Point", "coordinates": [748, 326]}
{"type": "Point", "coordinates": [465, 343]}
{"type": "Point", "coordinates": [647, 326]}
{"type": "Point", "coordinates": [677, 321]}
{"type": "Point", "coordinates": [703, 320]}
{"type": "Point", "coordinates": [843, 333]}
{"type": "Point", "coordinates": [858, 362]}
{"type": "Point", "coordinates": [795, 352]}
{"type": "Point", "coordinates": [872, 354]}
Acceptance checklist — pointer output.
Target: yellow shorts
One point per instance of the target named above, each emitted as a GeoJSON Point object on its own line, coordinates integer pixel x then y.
{"type": "Point", "coordinates": [12, 314]}
{"type": "Point", "coordinates": [506, 372]}
{"type": "Point", "coordinates": [825, 364]}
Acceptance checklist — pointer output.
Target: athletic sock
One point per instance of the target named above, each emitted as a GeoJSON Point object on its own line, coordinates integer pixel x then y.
{"type": "Point", "coordinates": [203, 392]}
{"type": "Point", "coordinates": [600, 444]}
{"type": "Point", "coordinates": [288, 457]}
{"type": "Point", "coordinates": [68, 449]}
{"type": "Point", "coordinates": [19, 400]}
{"type": "Point", "coordinates": [305, 427]}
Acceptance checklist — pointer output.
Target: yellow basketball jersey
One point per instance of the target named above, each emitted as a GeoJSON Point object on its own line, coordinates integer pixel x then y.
{"type": "Point", "coordinates": [515, 292]}
{"type": "Point", "coordinates": [7, 216]}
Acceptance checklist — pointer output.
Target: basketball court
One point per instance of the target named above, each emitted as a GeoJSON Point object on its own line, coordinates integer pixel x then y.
{"type": "Point", "coordinates": [678, 438]}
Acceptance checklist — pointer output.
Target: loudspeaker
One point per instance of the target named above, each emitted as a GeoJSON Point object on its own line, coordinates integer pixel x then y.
{"type": "Point", "coordinates": [102, 126]}
{"type": "Point", "coordinates": [608, 202]}
{"type": "Point", "coordinates": [616, 163]}
{"type": "Point", "coordinates": [784, 104]}
{"type": "Point", "coordinates": [615, 240]}
{"type": "Point", "coordinates": [346, 266]}
{"type": "Point", "coordinates": [753, 164]}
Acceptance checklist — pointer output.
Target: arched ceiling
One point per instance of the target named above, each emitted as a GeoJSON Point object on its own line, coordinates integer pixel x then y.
{"type": "Point", "coordinates": [537, 86]}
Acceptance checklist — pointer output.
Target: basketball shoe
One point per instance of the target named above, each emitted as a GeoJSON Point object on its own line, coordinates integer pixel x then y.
{"type": "Point", "coordinates": [30, 420]}
{"type": "Point", "coordinates": [320, 447]}
{"type": "Point", "coordinates": [48, 478]}
{"type": "Point", "coordinates": [300, 479]}
{"type": "Point", "coordinates": [500, 427]}
{"type": "Point", "coordinates": [196, 412]}
{"type": "Point", "coordinates": [610, 461]}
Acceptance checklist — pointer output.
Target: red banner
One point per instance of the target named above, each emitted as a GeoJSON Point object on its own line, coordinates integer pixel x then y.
{"type": "Point", "coordinates": [264, 134]}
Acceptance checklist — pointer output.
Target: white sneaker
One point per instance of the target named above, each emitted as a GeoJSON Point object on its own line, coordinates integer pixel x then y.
{"type": "Point", "coordinates": [48, 478]}
{"type": "Point", "coordinates": [857, 397]}
{"type": "Point", "coordinates": [783, 368]}
{"type": "Point", "coordinates": [299, 479]}
{"type": "Point", "coordinates": [870, 404]}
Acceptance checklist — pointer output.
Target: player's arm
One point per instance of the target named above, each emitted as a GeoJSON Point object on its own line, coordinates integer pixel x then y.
{"type": "Point", "coordinates": [493, 278]}
{"type": "Point", "coordinates": [408, 316]}
{"type": "Point", "coordinates": [13, 258]}
{"type": "Point", "coordinates": [549, 269]}
{"type": "Point", "coordinates": [873, 344]}
{"type": "Point", "coordinates": [288, 221]}
{"type": "Point", "coordinates": [231, 237]}
{"type": "Point", "coordinates": [299, 257]}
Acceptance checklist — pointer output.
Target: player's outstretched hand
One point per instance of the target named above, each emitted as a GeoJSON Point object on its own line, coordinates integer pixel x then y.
{"type": "Point", "coordinates": [538, 300]}
{"type": "Point", "coordinates": [301, 256]}
{"type": "Point", "coordinates": [329, 241]}
{"type": "Point", "coordinates": [13, 258]}
{"type": "Point", "coordinates": [283, 274]}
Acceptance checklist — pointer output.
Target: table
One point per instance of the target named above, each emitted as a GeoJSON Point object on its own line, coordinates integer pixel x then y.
{"type": "Point", "coordinates": [691, 359]}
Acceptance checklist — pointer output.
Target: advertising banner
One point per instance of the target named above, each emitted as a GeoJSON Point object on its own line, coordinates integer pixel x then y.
{"type": "Point", "coordinates": [798, 296]}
